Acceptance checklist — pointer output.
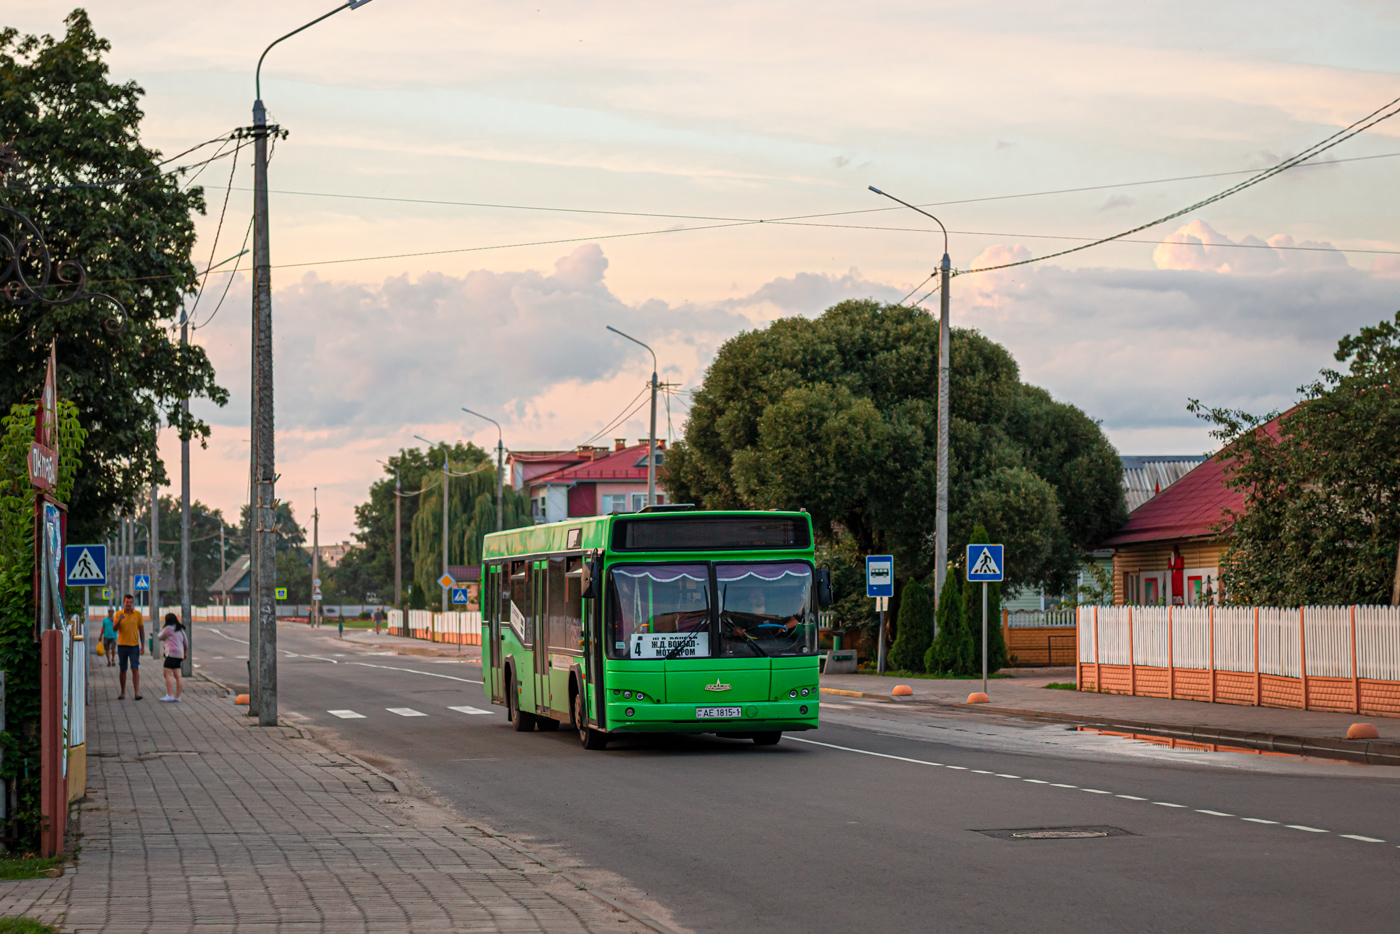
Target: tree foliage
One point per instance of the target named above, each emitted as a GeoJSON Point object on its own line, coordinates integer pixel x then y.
{"type": "Point", "coordinates": [205, 566]}
{"type": "Point", "coordinates": [1321, 519]}
{"type": "Point", "coordinates": [951, 651]}
{"type": "Point", "coordinates": [75, 130]}
{"type": "Point", "coordinates": [19, 653]}
{"type": "Point", "coordinates": [838, 415]}
{"type": "Point", "coordinates": [915, 634]}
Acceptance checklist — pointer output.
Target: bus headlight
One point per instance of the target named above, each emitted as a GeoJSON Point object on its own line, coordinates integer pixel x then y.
{"type": "Point", "coordinates": [630, 712]}
{"type": "Point", "coordinates": [640, 696]}
{"type": "Point", "coordinates": [793, 693]}
{"type": "Point", "coordinates": [806, 691]}
{"type": "Point", "coordinates": [802, 709]}
{"type": "Point", "coordinates": [626, 695]}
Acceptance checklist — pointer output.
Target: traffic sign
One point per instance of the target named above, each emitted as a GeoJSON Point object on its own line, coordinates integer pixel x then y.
{"type": "Point", "coordinates": [316, 582]}
{"type": "Point", "coordinates": [143, 582]}
{"type": "Point", "coordinates": [459, 595]}
{"type": "Point", "coordinates": [446, 581]}
{"type": "Point", "coordinates": [106, 593]}
{"type": "Point", "coordinates": [984, 564]}
{"type": "Point", "coordinates": [281, 593]}
{"type": "Point", "coordinates": [316, 594]}
{"type": "Point", "coordinates": [85, 565]}
{"type": "Point", "coordinates": [879, 575]}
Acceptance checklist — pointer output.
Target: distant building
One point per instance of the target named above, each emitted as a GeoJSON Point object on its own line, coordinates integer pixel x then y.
{"type": "Point", "coordinates": [332, 555]}
{"type": "Point", "coordinates": [586, 481]}
{"type": "Point", "coordinates": [236, 581]}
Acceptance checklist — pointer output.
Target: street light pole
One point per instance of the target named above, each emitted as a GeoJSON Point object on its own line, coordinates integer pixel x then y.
{"type": "Point", "coordinates": [651, 441]}
{"type": "Point", "coordinates": [940, 555]}
{"type": "Point", "coordinates": [398, 538]}
{"type": "Point", "coordinates": [315, 560]}
{"type": "Point", "coordinates": [186, 614]}
{"type": "Point", "coordinates": [500, 467]}
{"type": "Point", "coordinates": [263, 685]}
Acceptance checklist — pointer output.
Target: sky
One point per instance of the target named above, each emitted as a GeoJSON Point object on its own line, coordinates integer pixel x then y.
{"type": "Point", "coordinates": [470, 192]}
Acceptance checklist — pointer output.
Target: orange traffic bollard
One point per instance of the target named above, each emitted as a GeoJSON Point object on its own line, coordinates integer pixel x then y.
{"type": "Point", "coordinates": [977, 697]}
{"type": "Point", "coordinates": [902, 690]}
{"type": "Point", "coordinates": [241, 700]}
{"type": "Point", "coordinates": [1362, 731]}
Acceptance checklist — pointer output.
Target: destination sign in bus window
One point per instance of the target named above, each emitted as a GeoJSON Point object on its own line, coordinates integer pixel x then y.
{"type": "Point", "coordinates": [671, 644]}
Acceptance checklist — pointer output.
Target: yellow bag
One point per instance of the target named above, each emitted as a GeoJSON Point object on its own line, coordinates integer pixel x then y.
{"type": "Point", "coordinates": [100, 650]}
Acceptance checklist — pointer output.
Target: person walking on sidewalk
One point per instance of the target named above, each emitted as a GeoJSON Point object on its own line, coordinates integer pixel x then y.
{"type": "Point", "coordinates": [378, 618]}
{"type": "Point", "coordinates": [173, 638]}
{"type": "Point", "coordinates": [131, 634]}
{"type": "Point", "coordinates": [109, 639]}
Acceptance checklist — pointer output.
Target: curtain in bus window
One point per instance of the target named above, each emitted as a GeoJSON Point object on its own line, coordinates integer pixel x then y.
{"type": "Point", "coordinates": [659, 609]}
{"type": "Point", "coordinates": [565, 608]}
{"type": "Point", "coordinates": [766, 609]}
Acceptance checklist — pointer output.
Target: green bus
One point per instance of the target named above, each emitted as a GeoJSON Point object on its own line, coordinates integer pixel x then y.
{"type": "Point", "coordinates": [663, 621]}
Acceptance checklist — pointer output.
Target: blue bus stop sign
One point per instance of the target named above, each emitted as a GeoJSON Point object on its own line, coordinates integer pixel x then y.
{"type": "Point", "coordinates": [984, 564]}
{"type": "Point", "coordinates": [879, 575]}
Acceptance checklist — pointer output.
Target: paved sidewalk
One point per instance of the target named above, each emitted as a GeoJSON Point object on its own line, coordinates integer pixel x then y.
{"type": "Point", "coordinates": [197, 819]}
{"type": "Point", "coordinates": [1027, 691]}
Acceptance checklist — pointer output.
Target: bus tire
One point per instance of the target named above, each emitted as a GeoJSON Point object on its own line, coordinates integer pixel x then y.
{"type": "Point", "coordinates": [767, 738]}
{"type": "Point", "coordinates": [587, 736]}
{"type": "Point", "coordinates": [522, 721]}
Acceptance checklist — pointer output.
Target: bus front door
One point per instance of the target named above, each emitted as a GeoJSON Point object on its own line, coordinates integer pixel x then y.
{"type": "Point", "coordinates": [491, 632]}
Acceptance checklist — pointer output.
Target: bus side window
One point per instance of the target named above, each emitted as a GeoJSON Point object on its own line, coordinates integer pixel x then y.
{"type": "Point", "coordinates": [565, 605]}
{"type": "Point", "coordinates": [520, 601]}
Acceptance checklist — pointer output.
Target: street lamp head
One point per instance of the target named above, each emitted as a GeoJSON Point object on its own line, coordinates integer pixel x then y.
{"type": "Point", "coordinates": [915, 207]}
{"type": "Point", "coordinates": [356, 4]}
{"type": "Point", "coordinates": [635, 341]}
{"type": "Point", "coordinates": [487, 418]}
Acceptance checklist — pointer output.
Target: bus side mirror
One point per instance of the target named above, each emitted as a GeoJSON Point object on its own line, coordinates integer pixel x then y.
{"type": "Point", "coordinates": [825, 596]}
{"type": "Point", "coordinates": [592, 579]}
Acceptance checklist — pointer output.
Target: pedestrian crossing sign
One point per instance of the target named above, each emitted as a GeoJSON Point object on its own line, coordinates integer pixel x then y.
{"type": "Point", "coordinates": [281, 593]}
{"type": "Point", "coordinates": [984, 564]}
{"type": "Point", "coordinates": [143, 582]}
{"type": "Point", "coordinates": [85, 565]}
{"type": "Point", "coordinates": [460, 595]}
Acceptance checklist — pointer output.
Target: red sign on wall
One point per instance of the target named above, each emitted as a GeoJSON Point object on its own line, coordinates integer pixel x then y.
{"type": "Point", "coordinates": [43, 452]}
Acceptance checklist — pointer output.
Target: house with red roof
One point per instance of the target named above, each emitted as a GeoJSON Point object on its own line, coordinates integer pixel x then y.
{"type": "Point", "coordinates": [1168, 552]}
{"type": "Point", "coordinates": [586, 481]}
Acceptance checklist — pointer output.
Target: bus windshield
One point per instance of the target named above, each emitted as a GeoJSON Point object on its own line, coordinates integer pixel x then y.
{"type": "Point", "coordinates": [763, 609]}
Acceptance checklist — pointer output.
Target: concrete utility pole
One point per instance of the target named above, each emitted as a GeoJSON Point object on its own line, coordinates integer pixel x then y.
{"type": "Point", "coordinates": [315, 559]}
{"type": "Point", "coordinates": [186, 613]}
{"type": "Point", "coordinates": [446, 594]}
{"type": "Point", "coordinates": [154, 554]}
{"type": "Point", "coordinates": [500, 468]}
{"type": "Point", "coordinates": [940, 559]}
{"type": "Point", "coordinates": [263, 686]}
{"type": "Point", "coordinates": [651, 440]}
{"type": "Point", "coordinates": [223, 567]}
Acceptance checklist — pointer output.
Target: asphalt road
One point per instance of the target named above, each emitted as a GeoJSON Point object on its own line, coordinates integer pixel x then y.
{"type": "Point", "coordinates": [875, 822]}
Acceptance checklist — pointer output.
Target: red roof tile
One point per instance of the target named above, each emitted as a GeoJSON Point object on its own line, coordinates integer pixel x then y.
{"type": "Point", "coordinates": [1193, 507]}
{"type": "Point", "coordinates": [619, 465]}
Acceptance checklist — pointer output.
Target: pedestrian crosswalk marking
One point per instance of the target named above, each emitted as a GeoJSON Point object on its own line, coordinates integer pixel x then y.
{"type": "Point", "coordinates": [346, 714]}
{"type": "Point", "coordinates": [406, 711]}
{"type": "Point", "coordinates": [470, 710]}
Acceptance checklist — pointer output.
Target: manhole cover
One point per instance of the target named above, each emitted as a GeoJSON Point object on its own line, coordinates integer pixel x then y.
{"type": "Point", "coordinates": [1056, 833]}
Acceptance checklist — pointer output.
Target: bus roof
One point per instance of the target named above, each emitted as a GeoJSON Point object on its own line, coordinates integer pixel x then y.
{"type": "Point", "coordinates": [590, 533]}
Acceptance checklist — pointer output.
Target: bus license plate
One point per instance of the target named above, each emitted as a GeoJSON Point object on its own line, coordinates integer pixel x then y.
{"type": "Point", "coordinates": [718, 713]}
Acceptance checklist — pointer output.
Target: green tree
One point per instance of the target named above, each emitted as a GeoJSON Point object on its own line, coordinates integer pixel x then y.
{"type": "Point", "coordinates": [19, 653]}
{"type": "Point", "coordinates": [838, 415]}
{"type": "Point", "coordinates": [1321, 519]}
{"type": "Point", "coordinates": [205, 568]}
{"type": "Point", "coordinates": [74, 130]}
{"type": "Point", "coordinates": [915, 635]}
{"type": "Point", "coordinates": [951, 651]}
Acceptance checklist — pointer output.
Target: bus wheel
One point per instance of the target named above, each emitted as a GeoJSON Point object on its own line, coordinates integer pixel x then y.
{"type": "Point", "coordinates": [522, 721]}
{"type": "Point", "coordinates": [589, 737]}
{"type": "Point", "coordinates": [767, 738]}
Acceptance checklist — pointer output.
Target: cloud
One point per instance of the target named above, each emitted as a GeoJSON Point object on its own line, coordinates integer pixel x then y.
{"type": "Point", "coordinates": [1117, 201]}
{"type": "Point", "coordinates": [1199, 246]}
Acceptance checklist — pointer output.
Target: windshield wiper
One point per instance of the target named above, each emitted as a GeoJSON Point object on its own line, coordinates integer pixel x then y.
{"type": "Point", "coordinates": [753, 643]}
{"type": "Point", "coordinates": [680, 647]}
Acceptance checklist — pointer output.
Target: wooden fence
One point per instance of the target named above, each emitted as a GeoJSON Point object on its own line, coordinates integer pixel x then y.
{"type": "Point", "coordinates": [462, 628]}
{"type": "Point", "coordinates": [1039, 637]}
{"type": "Point", "coordinates": [1337, 658]}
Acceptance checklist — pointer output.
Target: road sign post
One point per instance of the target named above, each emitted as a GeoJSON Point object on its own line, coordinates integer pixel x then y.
{"type": "Point", "coordinates": [985, 566]}
{"type": "Point", "coordinates": [879, 584]}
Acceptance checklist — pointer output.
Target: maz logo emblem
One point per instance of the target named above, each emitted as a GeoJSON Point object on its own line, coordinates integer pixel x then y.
{"type": "Point", "coordinates": [717, 686]}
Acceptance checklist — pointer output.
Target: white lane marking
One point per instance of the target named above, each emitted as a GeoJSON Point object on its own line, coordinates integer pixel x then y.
{"type": "Point", "coordinates": [217, 658]}
{"type": "Point", "coordinates": [405, 711]}
{"type": "Point", "coordinates": [1004, 775]}
{"type": "Point", "coordinates": [241, 656]}
{"type": "Point", "coordinates": [220, 632]}
{"type": "Point", "coordinates": [470, 710]}
{"type": "Point", "coordinates": [346, 714]}
{"type": "Point", "coordinates": [1037, 781]}
{"type": "Point", "coordinates": [415, 671]}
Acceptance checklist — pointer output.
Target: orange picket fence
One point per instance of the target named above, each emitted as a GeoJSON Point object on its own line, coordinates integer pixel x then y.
{"type": "Point", "coordinates": [1336, 658]}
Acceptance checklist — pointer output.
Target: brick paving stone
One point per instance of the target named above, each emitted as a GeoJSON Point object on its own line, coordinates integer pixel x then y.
{"type": "Point", "coordinates": [198, 820]}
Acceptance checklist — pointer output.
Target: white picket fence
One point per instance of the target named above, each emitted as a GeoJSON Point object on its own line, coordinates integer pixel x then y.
{"type": "Point", "coordinates": [1286, 641]}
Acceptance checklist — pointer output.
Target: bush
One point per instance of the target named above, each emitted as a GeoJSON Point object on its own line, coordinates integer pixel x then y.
{"type": "Point", "coordinates": [915, 634]}
{"type": "Point", "coordinates": [951, 652]}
